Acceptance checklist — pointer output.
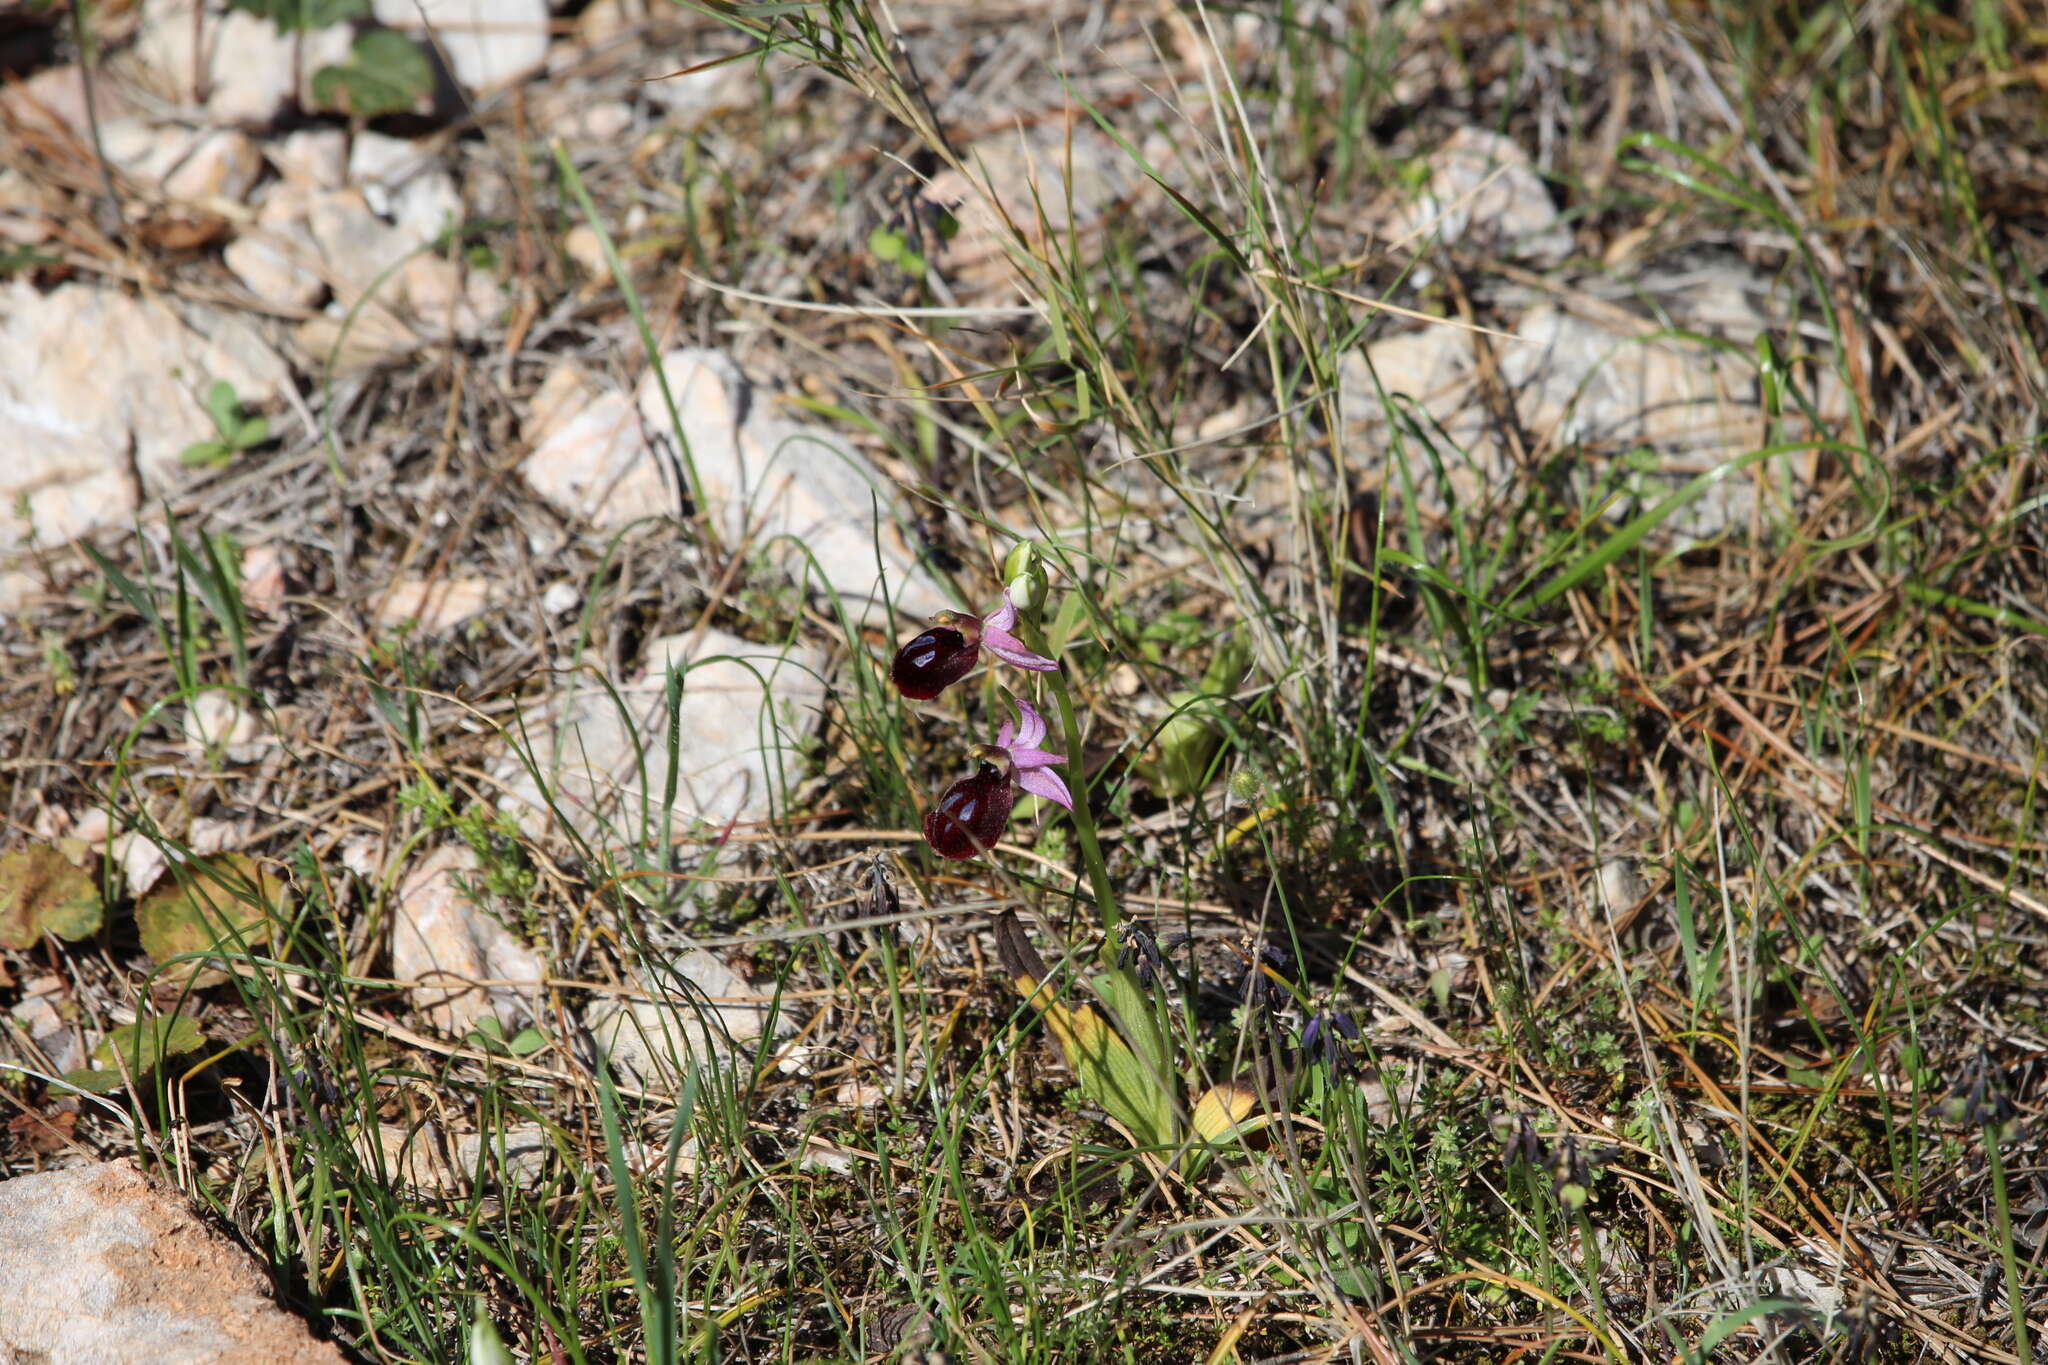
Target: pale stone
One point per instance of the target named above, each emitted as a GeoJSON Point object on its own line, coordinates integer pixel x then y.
{"type": "Point", "coordinates": [1483, 191]}
{"type": "Point", "coordinates": [586, 249]}
{"type": "Point", "coordinates": [316, 158]}
{"type": "Point", "coordinates": [487, 43]}
{"type": "Point", "coordinates": [706, 1015]}
{"type": "Point", "coordinates": [426, 206]}
{"type": "Point", "coordinates": [223, 164]}
{"type": "Point", "coordinates": [100, 1263]}
{"type": "Point", "coordinates": [54, 99]}
{"type": "Point", "coordinates": [1040, 184]}
{"type": "Point", "coordinates": [141, 860]}
{"type": "Point", "coordinates": [690, 93]}
{"type": "Point", "coordinates": [440, 939]}
{"type": "Point", "coordinates": [567, 389]}
{"type": "Point", "coordinates": [435, 605]}
{"type": "Point", "coordinates": [144, 152]}
{"type": "Point", "coordinates": [814, 503]}
{"type": "Point", "coordinates": [276, 258]}
{"type": "Point", "coordinates": [245, 62]}
{"type": "Point", "coordinates": [596, 464]}
{"type": "Point", "coordinates": [561, 598]}
{"type": "Point", "coordinates": [382, 160]}
{"type": "Point", "coordinates": [1637, 413]}
{"type": "Point", "coordinates": [218, 721]}
{"type": "Point", "coordinates": [357, 246]}
{"type": "Point", "coordinates": [421, 1158]}
{"type": "Point", "coordinates": [89, 375]}
{"type": "Point", "coordinates": [746, 714]}
{"type": "Point", "coordinates": [605, 121]}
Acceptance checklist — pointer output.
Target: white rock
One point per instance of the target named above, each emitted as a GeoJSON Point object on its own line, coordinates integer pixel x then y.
{"type": "Point", "coordinates": [595, 463]}
{"type": "Point", "coordinates": [223, 164]}
{"type": "Point", "coordinates": [794, 488]}
{"type": "Point", "coordinates": [145, 152]}
{"type": "Point", "coordinates": [316, 158]}
{"type": "Point", "coordinates": [744, 722]}
{"type": "Point", "coordinates": [420, 1157]}
{"type": "Point", "coordinates": [426, 206]}
{"type": "Point", "coordinates": [141, 860]}
{"type": "Point", "coordinates": [100, 1263]}
{"type": "Point", "coordinates": [1045, 185]}
{"type": "Point", "coordinates": [586, 249]}
{"type": "Point", "coordinates": [567, 389]}
{"type": "Point", "coordinates": [1600, 391]}
{"type": "Point", "coordinates": [218, 721]}
{"type": "Point", "coordinates": [706, 1014]}
{"type": "Point", "coordinates": [276, 258]}
{"type": "Point", "coordinates": [487, 42]}
{"type": "Point", "coordinates": [54, 99]}
{"type": "Point", "coordinates": [437, 605]}
{"type": "Point", "coordinates": [357, 246]}
{"type": "Point", "coordinates": [384, 161]}
{"type": "Point", "coordinates": [690, 93]}
{"type": "Point", "coordinates": [1484, 191]}
{"type": "Point", "coordinates": [604, 121]}
{"type": "Point", "coordinates": [561, 598]}
{"type": "Point", "coordinates": [247, 67]}
{"type": "Point", "coordinates": [441, 939]}
{"type": "Point", "coordinates": [88, 372]}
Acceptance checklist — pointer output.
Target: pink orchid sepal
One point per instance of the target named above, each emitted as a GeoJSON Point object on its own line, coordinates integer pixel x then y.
{"type": "Point", "coordinates": [996, 634]}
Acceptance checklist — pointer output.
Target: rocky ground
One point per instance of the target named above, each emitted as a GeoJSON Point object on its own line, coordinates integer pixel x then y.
{"type": "Point", "coordinates": [1547, 536]}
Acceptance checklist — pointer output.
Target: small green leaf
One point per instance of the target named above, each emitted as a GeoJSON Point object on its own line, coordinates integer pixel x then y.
{"type": "Point", "coordinates": [205, 454]}
{"type": "Point", "coordinates": [224, 408]}
{"type": "Point", "coordinates": [43, 893]}
{"type": "Point", "coordinates": [94, 1082]}
{"type": "Point", "coordinates": [526, 1042]}
{"type": "Point", "coordinates": [143, 1045]}
{"type": "Point", "coordinates": [252, 432]}
{"type": "Point", "coordinates": [299, 16]}
{"type": "Point", "coordinates": [386, 74]}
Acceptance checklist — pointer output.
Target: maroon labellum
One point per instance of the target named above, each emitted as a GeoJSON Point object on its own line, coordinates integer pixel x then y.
{"type": "Point", "coordinates": [937, 659]}
{"type": "Point", "coordinates": [943, 655]}
{"type": "Point", "coordinates": [970, 815]}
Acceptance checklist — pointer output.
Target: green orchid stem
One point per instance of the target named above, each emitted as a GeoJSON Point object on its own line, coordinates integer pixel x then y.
{"type": "Point", "coordinates": [2014, 1299]}
{"type": "Point", "coordinates": [1033, 636]}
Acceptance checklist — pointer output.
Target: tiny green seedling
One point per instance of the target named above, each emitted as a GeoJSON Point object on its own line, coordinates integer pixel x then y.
{"type": "Point", "coordinates": [239, 432]}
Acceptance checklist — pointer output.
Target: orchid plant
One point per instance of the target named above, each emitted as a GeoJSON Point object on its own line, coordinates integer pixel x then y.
{"type": "Point", "coordinates": [1125, 1060]}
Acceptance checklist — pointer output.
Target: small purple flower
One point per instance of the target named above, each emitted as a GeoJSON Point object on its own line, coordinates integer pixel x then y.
{"type": "Point", "coordinates": [941, 656]}
{"type": "Point", "coordinates": [970, 816]}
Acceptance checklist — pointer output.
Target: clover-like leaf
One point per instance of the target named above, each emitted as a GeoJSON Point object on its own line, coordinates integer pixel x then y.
{"type": "Point", "coordinates": [133, 1051]}
{"type": "Point", "coordinates": [42, 892]}
{"type": "Point", "coordinates": [222, 903]}
{"type": "Point", "coordinates": [386, 74]}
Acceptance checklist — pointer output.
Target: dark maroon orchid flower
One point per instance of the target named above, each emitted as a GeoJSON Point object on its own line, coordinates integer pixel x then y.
{"type": "Point", "coordinates": [943, 655]}
{"type": "Point", "coordinates": [970, 816]}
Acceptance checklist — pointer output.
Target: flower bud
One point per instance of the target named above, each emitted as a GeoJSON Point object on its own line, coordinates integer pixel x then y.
{"type": "Point", "coordinates": [1024, 575]}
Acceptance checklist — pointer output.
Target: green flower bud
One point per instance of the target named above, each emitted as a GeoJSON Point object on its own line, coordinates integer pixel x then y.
{"type": "Point", "coordinates": [1024, 577]}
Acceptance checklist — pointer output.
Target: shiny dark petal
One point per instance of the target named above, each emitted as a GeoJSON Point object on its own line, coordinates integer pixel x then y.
{"type": "Point", "coordinates": [932, 662]}
{"type": "Point", "coordinates": [969, 817]}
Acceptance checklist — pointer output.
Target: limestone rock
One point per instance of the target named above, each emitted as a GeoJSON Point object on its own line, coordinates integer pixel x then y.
{"type": "Point", "coordinates": [100, 1263]}
{"type": "Point", "coordinates": [88, 373]}
{"type": "Point", "coordinates": [316, 158]}
{"type": "Point", "coordinates": [222, 164]}
{"type": "Point", "coordinates": [1484, 192]}
{"type": "Point", "coordinates": [746, 713]}
{"type": "Point", "coordinates": [243, 66]}
{"type": "Point", "coordinates": [441, 939]}
{"type": "Point", "coordinates": [487, 43]}
{"type": "Point", "coordinates": [436, 605]}
{"type": "Point", "coordinates": [1633, 411]}
{"type": "Point", "coordinates": [703, 1013]}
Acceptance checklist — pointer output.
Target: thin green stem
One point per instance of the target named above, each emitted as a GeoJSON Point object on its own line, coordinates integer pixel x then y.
{"type": "Point", "coordinates": [2013, 1298]}
{"type": "Point", "coordinates": [1084, 818]}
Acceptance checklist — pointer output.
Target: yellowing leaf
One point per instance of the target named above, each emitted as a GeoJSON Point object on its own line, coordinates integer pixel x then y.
{"type": "Point", "coordinates": [43, 893]}
{"type": "Point", "coordinates": [223, 903]}
{"type": "Point", "coordinates": [1109, 1072]}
